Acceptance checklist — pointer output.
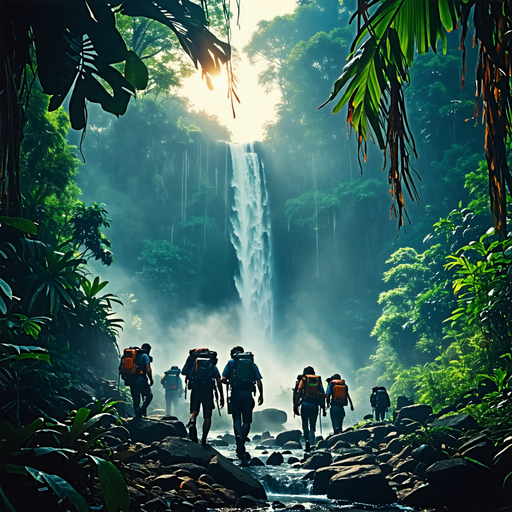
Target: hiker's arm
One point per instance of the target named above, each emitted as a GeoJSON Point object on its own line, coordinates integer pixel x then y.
{"type": "Point", "coordinates": [162, 381]}
{"type": "Point", "coordinates": [149, 373]}
{"type": "Point", "coordinates": [259, 384]}
{"type": "Point", "coordinates": [221, 391]}
{"type": "Point", "coordinates": [350, 400]}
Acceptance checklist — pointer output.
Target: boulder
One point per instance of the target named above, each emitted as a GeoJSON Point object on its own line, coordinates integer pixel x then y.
{"type": "Point", "coordinates": [419, 497]}
{"type": "Point", "coordinates": [481, 449]}
{"type": "Point", "coordinates": [232, 477]}
{"type": "Point", "coordinates": [408, 465]}
{"type": "Point", "coordinates": [256, 462]}
{"type": "Point", "coordinates": [420, 470]}
{"type": "Point", "coordinates": [384, 456]}
{"type": "Point", "coordinates": [218, 442]}
{"type": "Point", "coordinates": [395, 446]}
{"type": "Point", "coordinates": [403, 401]}
{"type": "Point", "coordinates": [270, 442]}
{"type": "Point", "coordinates": [167, 482]}
{"type": "Point", "coordinates": [247, 502]}
{"type": "Point", "coordinates": [148, 431]}
{"type": "Point", "coordinates": [257, 438]}
{"type": "Point", "coordinates": [275, 459]}
{"type": "Point", "coordinates": [265, 435]}
{"type": "Point", "coordinates": [195, 471]}
{"type": "Point", "coordinates": [318, 460]}
{"type": "Point", "coordinates": [288, 435]}
{"type": "Point", "coordinates": [417, 412]}
{"type": "Point", "coordinates": [322, 477]}
{"type": "Point", "coordinates": [389, 437]}
{"type": "Point", "coordinates": [200, 506]}
{"type": "Point", "coordinates": [459, 422]}
{"type": "Point", "coordinates": [340, 444]}
{"type": "Point", "coordinates": [399, 457]}
{"type": "Point", "coordinates": [380, 431]}
{"type": "Point", "coordinates": [346, 453]}
{"type": "Point", "coordinates": [293, 460]}
{"type": "Point", "coordinates": [226, 495]}
{"type": "Point", "coordinates": [175, 450]}
{"type": "Point", "coordinates": [463, 486]}
{"type": "Point", "coordinates": [352, 437]}
{"type": "Point", "coordinates": [353, 482]}
{"type": "Point", "coordinates": [427, 454]}
{"type": "Point", "coordinates": [229, 438]}
{"type": "Point", "coordinates": [269, 419]}
{"type": "Point", "coordinates": [407, 426]}
{"type": "Point", "coordinates": [293, 445]}
{"type": "Point", "coordinates": [323, 444]}
{"type": "Point", "coordinates": [357, 460]}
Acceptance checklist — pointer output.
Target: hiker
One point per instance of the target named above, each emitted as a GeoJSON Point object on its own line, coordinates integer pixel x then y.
{"type": "Point", "coordinates": [242, 376]}
{"type": "Point", "coordinates": [337, 397]}
{"type": "Point", "coordinates": [135, 368]}
{"type": "Point", "coordinates": [203, 378]}
{"type": "Point", "coordinates": [309, 395]}
{"type": "Point", "coordinates": [171, 381]}
{"type": "Point", "coordinates": [379, 400]}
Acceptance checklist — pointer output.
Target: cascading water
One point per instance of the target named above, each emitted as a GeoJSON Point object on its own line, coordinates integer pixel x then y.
{"type": "Point", "coordinates": [251, 238]}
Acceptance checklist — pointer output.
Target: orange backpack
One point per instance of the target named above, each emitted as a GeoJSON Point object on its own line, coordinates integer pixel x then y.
{"type": "Point", "coordinates": [339, 392]}
{"type": "Point", "coordinates": [309, 386]}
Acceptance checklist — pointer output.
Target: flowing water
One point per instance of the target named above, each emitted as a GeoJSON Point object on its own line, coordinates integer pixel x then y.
{"type": "Point", "coordinates": [286, 484]}
{"type": "Point", "coordinates": [252, 240]}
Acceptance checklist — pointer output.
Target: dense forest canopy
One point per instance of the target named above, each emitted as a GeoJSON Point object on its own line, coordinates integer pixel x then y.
{"type": "Point", "coordinates": [124, 235]}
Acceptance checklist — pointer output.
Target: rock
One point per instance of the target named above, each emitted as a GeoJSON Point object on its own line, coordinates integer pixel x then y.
{"type": "Point", "coordinates": [459, 422]}
{"type": "Point", "coordinates": [148, 431]}
{"type": "Point", "coordinates": [340, 444]}
{"type": "Point", "coordinates": [398, 477]}
{"type": "Point", "coordinates": [226, 495]}
{"type": "Point", "coordinates": [269, 419]}
{"type": "Point", "coordinates": [201, 506]}
{"type": "Point", "coordinates": [167, 482]}
{"type": "Point", "coordinates": [318, 460]}
{"type": "Point", "coordinates": [384, 456]}
{"type": "Point", "coordinates": [386, 469]}
{"type": "Point", "coordinates": [352, 483]}
{"type": "Point", "coordinates": [486, 386]}
{"type": "Point", "coordinates": [389, 437]}
{"type": "Point", "coordinates": [446, 410]}
{"type": "Point", "coordinates": [206, 478]}
{"type": "Point", "coordinates": [427, 454]}
{"type": "Point", "coordinates": [218, 442]}
{"type": "Point", "coordinates": [346, 453]}
{"type": "Point", "coordinates": [403, 454]}
{"type": "Point", "coordinates": [288, 435]}
{"type": "Point", "coordinates": [322, 477]}
{"type": "Point", "coordinates": [463, 486]}
{"type": "Point", "coordinates": [408, 465]}
{"type": "Point", "coordinates": [265, 435]}
{"type": "Point", "coordinates": [275, 459]}
{"type": "Point", "coordinates": [395, 446]}
{"type": "Point", "coordinates": [229, 438]}
{"type": "Point", "coordinates": [194, 471]}
{"type": "Point", "coordinates": [369, 444]}
{"type": "Point", "coordinates": [403, 401]}
{"type": "Point", "coordinates": [407, 426]}
{"type": "Point", "coordinates": [256, 462]}
{"type": "Point", "coordinates": [293, 460]}
{"type": "Point", "coordinates": [481, 449]}
{"type": "Point", "coordinates": [176, 450]}
{"type": "Point", "coordinates": [420, 497]}
{"type": "Point", "coordinates": [270, 442]}
{"type": "Point", "coordinates": [278, 504]}
{"type": "Point", "coordinates": [379, 432]}
{"type": "Point", "coordinates": [353, 461]}
{"type": "Point", "coordinates": [257, 438]}
{"type": "Point", "coordinates": [185, 506]}
{"type": "Point", "coordinates": [417, 412]}
{"type": "Point", "coordinates": [352, 437]}
{"type": "Point", "coordinates": [227, 474]}
{"type": "Point", "coordinates": [368, 417]}
{"type": "Point", "coordinates": [293, 445]}
{"type": "Point", "coordinates": [81, 394]}
{"type": "Point", "coordinates": [156, 505]}
{"type": "Point", "coordinates": [323, 444]}
{"type": "Point", "coordinates": [247, 502]}
{"type": "Point", "coordinates": [420, 470]}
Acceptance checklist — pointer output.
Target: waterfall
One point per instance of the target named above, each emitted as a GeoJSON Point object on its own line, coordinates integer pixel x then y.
{"type": "Point", "coordinates": [251, 238]}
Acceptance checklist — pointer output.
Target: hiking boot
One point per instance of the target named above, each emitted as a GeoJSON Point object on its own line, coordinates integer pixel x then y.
{"type": "Point", "coordinates": [308, 447]}
{"type": "Point", "coordinates": [246, 457]}
{"type": "Point", "coordinates": [192, 433]}
{"type": "Point", "coordinates": [204, 442]}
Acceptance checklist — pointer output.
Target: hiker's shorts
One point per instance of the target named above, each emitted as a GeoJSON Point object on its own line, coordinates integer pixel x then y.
{"type": "Point", "coordinates": [199, 397]}
{"type": "Point", "coordinates": [242, 404]}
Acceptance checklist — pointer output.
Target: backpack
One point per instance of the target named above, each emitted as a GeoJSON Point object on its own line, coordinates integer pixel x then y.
{"type": "Point", "coordinates": [130, 367]}
{"type": "Point", "coordinates": [172, 377]}
{"type": "Point", "coordinates": [199, 368]}
{"type": "Point", "coordinates": [339, 392]}
{"type": "Point", "coordinates": [309, 387]}
{"type": "Point", "coordinates": [382, 399]}
{"type": "Point", "coordinates": [243, 373]}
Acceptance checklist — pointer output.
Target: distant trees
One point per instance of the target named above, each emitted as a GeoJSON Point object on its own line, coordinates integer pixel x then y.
{"type": "Point", "coordinates": [390, 35]}
{"type": "Point", "coordinates": [75, 44]}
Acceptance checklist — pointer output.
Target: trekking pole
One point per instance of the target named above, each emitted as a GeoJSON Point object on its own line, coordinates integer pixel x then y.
{"type": "Point", "coordinates": [217, 401]}
{"type": "Point", "coordinates": [320, 418]}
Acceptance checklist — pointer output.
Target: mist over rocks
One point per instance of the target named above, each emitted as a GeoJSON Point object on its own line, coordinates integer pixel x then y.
{"type": "Point", "coordinates": [272, 420]}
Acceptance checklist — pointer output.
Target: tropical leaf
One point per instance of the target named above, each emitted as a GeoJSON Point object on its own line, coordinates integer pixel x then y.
{"type": "Point", "coordinates": [135, 71]}
{"type": "Point", "coordinates": [25, 225]}
{"type": "Point", "coordinates": [112, 485]}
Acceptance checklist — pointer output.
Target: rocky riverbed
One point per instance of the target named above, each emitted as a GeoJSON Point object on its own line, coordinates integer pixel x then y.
{"type": "Point", "coordinates": [372, 467]}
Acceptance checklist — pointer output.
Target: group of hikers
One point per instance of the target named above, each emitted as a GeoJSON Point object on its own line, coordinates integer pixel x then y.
{"type": "Point", "coordinates": [243, 379]}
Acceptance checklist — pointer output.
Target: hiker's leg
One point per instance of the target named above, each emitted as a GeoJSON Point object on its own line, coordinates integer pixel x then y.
{"type": "Point", "coordinates": [305, 419]}
{"type": "Point", "coordinates": [136, 398]}
{"type": "Point", "coordinates": [312, 428]}
{"type": "Point", "coordinates": [148, 397]}
{"type": "Point", "coordinates": [248, 406]}
{"type": "Point", "coordinates": [168, 402]}
{"type": "Point", "coordinates": [334, 420]}
{"type": "Point", "coordinates": [208, 407]}
{"type": "Point", "coordinates": [195, 404]}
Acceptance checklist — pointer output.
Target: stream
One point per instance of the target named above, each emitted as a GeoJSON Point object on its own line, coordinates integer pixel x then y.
{"type": "Point", "coordinates": [285, 483]}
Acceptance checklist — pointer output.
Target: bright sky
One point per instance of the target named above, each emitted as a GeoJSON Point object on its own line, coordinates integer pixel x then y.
{"type": "Point", "coordinates": [256, 107]}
